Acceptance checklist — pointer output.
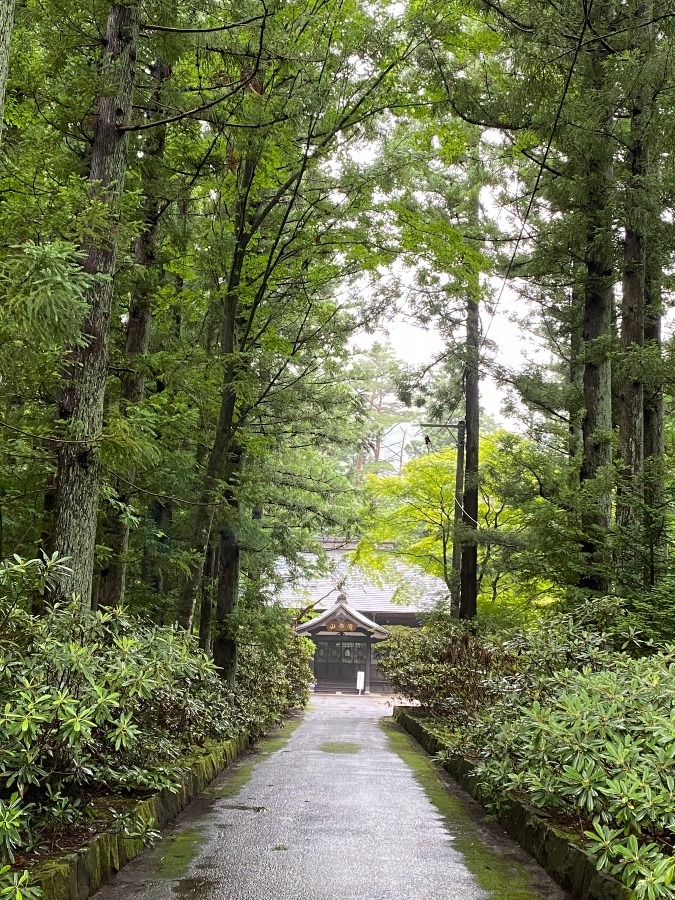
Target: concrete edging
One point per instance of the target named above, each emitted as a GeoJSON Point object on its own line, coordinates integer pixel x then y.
{"type": "Point", "coordinates": [571, 866]}
{"type": "Point", "coordinates": [79, 874]}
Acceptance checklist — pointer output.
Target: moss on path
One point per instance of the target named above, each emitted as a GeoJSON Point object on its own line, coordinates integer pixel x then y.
{"type": "Point", "coordinates": [177, 851]}
{"type": "Point", "coordinates": [505, 877]}
{"type": "Point", "coordinates": [339, 747]}
{"type": "Point", "coordinates": [305, 820]}
{"type": "Point", "coordinates": [233, 780]}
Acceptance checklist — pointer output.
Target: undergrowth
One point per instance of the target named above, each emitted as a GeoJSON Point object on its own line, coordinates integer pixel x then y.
{"type": "Point", "coordinates": [575, 716]}
{"type": "Point", "coordinates": [103, 703]}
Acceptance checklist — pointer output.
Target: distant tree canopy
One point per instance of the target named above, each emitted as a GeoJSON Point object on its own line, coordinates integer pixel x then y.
{"type": "Point", "coordinates": [202, 206]}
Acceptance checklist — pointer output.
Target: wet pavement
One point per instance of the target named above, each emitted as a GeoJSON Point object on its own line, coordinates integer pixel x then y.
{"type": "Point", "coordinates": [344, 807]}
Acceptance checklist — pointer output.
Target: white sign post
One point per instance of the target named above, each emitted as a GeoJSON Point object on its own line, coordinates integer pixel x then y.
{"type": "Point", "coordinates": [360, 681]}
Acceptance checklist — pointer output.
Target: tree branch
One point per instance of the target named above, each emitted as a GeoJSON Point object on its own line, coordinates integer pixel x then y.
{"type": "Point", "coordinates": [211, 103]}
{"type": "Point", "coordinates": [164, 29]}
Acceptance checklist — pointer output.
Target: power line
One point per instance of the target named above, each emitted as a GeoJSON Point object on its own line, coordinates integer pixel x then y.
{"type": "Point", "coordinates": [542, 166]}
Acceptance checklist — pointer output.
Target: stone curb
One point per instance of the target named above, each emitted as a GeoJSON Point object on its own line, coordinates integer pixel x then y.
{"type": "Point", "coordinates": [79, 874]}
{"type": "Point", "coordinates": [573, 868]}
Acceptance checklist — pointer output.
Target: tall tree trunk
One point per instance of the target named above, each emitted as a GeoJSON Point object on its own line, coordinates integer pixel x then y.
{"type": "Point", "coordinates": [81, 399]}
{"type": "Point", "coordinates": [227, 599]}
{"type": "Point", "coordinates": [629, 513]}
{"type": "Point", "coordinates": [597, 338]}
{"type": "Point", "coordinates": [457, 521]}
{"type": "Point", "coordinates": [655, 520]}
{"type": "Point", "coordinates": [206, 603]}
{"type": "Point", "coordinates": [218, 455]}
{"type": "Point", "coordinates": [576, 370]}
{"type": "Point", "coordinates": [215, 469]}
{"type": "Point", "coordinates": [132, 389]}
{"type": "Point", "coordinates": [468, 595]}
{"type": "Point", "coordinates": [6, 25]}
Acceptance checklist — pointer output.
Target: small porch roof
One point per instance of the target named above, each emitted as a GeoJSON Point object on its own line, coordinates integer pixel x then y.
{"type": "Point", "coordinates": [342, 619]}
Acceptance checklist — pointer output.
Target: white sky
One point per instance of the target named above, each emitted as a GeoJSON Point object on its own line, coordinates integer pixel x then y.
{"type": "Point", "coordinates": [515, 345]}
{"type": "Point", "coordinates": [417, 346]}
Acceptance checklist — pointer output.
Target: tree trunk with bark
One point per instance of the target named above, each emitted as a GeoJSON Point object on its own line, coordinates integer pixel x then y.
{"type": "Point", "coordinates": [81, 399]}
{"type": "Point", "coordinates": [457, 521]}
{"type": "Point", "coordinates": [217, 462]}
{"type": "Point", "coordinates": [468, 594]}
{"type": "Point", "coordinates": [132, 389]}
{"type": "Point", "coordinates": [6, 26]}
{"type": "Point", "coordinates": [206, 602]}
{"type": "Point", "coordinates": [227, 599]}
{"type": "Point", "coordinates": [576, 371]}
{"type": "Point", "coordinates": [630, 500]}
{"type": "Point", "coordinates": [597, 345]}
{"type": "Point", "coordinates": [655, 518]}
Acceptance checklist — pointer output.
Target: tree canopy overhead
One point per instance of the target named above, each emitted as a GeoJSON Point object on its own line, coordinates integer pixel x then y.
{"type": "Point", "coordinates": [203, 205]}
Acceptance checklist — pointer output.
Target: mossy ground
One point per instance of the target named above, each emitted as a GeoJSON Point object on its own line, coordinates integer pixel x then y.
{"type": "Point", "coordinates": [177, 852]}
{"type": "Point", "coordinates": [339, 747]}
{"type": "Point", "coordinates": [503, 876]}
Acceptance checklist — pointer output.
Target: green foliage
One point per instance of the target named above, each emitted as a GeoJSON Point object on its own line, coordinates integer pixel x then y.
{"type": "Point", "coordinates": [44, 287]}
{"type": "Point", "coordinates": [345, 159]}
{"type": "Point", "coordinates": [269, 682]}
{"type": "Point", "coordinates": [102, 702]}
{"type": "Point", "coordinates": [452, 672]}
{"type": "Point", "coordinates": [655, 610]}
{"type": "Point", "coordinates": [415, 510]}
{"type": "Point", "coordinates": [96, 701]}
{"type": "Point", "coordinates": [16, 885]}
{"type": "Point", "coordinates": [599, 749]}
{"type": "Point", "coordinates": [528, 532]}
{"type": "Point", "coordinates": [573, 715]}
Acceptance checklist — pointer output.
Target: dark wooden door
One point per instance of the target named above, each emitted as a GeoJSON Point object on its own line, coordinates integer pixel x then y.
{"type": "Point", "coordinates": [339, 660]}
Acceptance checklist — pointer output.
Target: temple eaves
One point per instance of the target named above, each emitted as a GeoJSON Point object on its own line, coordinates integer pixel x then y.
{"type": "Point", "coordinates": [342, 619]}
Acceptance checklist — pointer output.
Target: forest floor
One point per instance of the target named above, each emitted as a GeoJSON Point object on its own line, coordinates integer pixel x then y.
{"type": "Point", "coordinates": [340, 805]}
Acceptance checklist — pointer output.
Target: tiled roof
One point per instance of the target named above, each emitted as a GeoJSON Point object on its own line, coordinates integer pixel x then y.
{"type": "Point", "coordinates": [415, 592]}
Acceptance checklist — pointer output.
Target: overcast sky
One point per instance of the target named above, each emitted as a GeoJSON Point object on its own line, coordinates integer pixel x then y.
{"type": "Point", "coordinates": [418, 346]}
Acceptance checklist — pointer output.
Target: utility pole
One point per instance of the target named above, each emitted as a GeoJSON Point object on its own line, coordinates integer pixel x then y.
{"type": "Point", "coordinates": [468, 593]}
{"type": "Point", "coordinates": [458, 511]}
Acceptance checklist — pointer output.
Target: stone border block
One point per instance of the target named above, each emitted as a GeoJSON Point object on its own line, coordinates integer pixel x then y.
{"type": "Point", "coordinates": [568, 864]}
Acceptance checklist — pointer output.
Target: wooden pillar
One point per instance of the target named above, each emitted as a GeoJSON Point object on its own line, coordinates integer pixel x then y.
{"type": "Point", "coordinates": [367, 680]}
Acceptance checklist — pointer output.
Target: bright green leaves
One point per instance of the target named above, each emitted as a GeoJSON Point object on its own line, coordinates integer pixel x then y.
{"type": "Point", "coordinates": [124, 732]}
{"type": "Point", "coordinates": [416, 510]}
{"type": "Point", "coordinates": [98, 703]}
{"type": "Point", "coordinates": [44, 288]}
{"type": "Point", "coordinates": [560, 717]}
{"type": "Point", "coordinates": [16, 885]}
{"type": "Point", "coordinates": [642, 867]}
{"type": "Point", "coordinates": [583, 785]}
{"type": "Point", "coordinates": [604, 751]}
{"type": "Point", "coordinates": [601, 843]}
{"type": "Point", "coordinates": [12, 823]}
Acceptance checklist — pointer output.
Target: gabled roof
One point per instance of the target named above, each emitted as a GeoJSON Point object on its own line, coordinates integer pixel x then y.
{"type": "Point", "coordinates": [413, 592]}
{"type": "Point", "coordinates": [341, 618]}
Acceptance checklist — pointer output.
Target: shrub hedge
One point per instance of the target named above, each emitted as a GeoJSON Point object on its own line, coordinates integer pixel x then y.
{"type": "Point", "coordinates": [103, 703]}
{"type": "Point", "coordinates": [575, 716]}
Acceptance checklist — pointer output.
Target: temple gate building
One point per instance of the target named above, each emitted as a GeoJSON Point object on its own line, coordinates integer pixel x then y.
{"type": "Point", "coordinates": [351, 611]}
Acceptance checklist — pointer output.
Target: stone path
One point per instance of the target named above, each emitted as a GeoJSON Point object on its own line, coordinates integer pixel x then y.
{"type": "Point", "coordinates": [345, 807]}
